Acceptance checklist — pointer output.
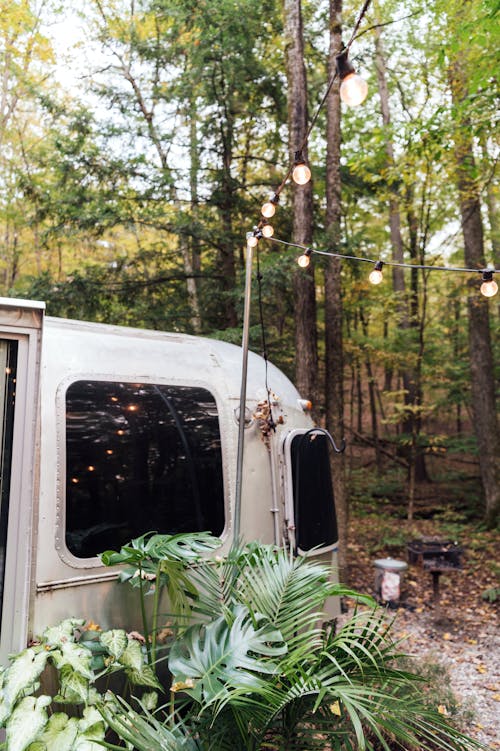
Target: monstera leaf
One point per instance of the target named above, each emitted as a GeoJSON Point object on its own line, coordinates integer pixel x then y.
{"type": "Point", "coordinates": [209, 660]}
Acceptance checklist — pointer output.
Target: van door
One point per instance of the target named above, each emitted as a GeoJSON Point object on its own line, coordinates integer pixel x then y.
{"type": "Point", "coordinates": [20, 340]}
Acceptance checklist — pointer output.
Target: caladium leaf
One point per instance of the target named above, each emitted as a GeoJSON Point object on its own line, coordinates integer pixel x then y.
{"type": "Point", "coordinates": [74, 687]}
{"type": "Point", "coordinates": [26, 722]}
{"type": "Point", "coordinates": [75, 655]}
{"type": "Point", "coordinates": [59, 733]}
{"type": "Point", "coordinates": [132, 656]}
{"type": "Point", "coordinates": [115, 641]}
{"type": "Point", "coordinates": [56, 636]}
{"type": "Point", "coordinates": [21, 675]}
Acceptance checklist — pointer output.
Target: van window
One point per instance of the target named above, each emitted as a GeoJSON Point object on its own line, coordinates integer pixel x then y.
{"type": "Point", "coordinates": [313, 502]}
{"type": "Point", "coordinates": [8, 361]}
{"type": "Point", "coordinates": [140, 458]}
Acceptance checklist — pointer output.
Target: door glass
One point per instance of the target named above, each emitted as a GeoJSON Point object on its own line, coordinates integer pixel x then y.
{"type": "Point", "coordinates": [140, 458]}
{"type": "Point", "coordinates": [314, 507]}
{"type": "Point", "coordinates": [8, 360]}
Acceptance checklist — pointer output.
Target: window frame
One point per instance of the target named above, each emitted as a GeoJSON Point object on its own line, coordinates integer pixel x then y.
{"type": "Point", "coordinates": [286, 451]}
{"type": "Point", "coordinates": [21, 321]}
{"type": "Point", "coordinates": [94, 562]}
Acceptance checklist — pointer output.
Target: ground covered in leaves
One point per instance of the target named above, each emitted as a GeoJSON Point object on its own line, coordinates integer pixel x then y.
{"type": "Point", "coordinates": [456, 639]}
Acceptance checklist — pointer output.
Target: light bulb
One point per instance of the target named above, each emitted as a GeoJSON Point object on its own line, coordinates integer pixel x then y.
{"type": "Point", "coordinates": [301, 173]}
{"type": "Point", "coordinates": [353, 90]}
{"type": "Point", "coordinates": [376, 275]}
{"type": "Point", "coordinates": [267, 230]}
{"type": "Point", "coordinates": [251, 240]}
{"type": "Point", "coordinates": [489, 287]}
{"type": "Point", "coordinates": [304, 260]}
{"type": "Point", "coordinates": [268, 210]}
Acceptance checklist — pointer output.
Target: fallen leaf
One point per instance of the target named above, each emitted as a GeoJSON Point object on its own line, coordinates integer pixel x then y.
{"type": "Point", "coordinates": [442, 710]}
{"type": "Point", "coordinates": [447, 636]}
{"type": "Point", "coordinates": [335, 709]}
{"type": "Point", "coordinates": [496, 697]}
{"type": "Point", "coordinates": [481, 669]}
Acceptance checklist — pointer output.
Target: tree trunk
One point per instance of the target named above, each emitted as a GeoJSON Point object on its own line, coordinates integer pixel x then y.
{"type": "Point", "coordinates": [334, 360]}
{"type": "Point", "coordinates": [480, 349]}
{"type": "Point", "coordinates": [371, 396]}
{"type": "Point", "coordinates": [406, 318]}
{"type": "Point", "coordinates": [192, 259]}
{"type": "Point", "coordinates": [306, 362]}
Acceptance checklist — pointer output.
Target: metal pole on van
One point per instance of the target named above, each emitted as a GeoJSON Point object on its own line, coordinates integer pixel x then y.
{"type": "Point", "coordinates": [243, 393]}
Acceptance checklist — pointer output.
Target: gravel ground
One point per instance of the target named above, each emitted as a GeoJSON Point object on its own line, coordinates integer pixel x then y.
{"type": "Point", "coordinates": [465, 633]}
{"type": "Point", "coordinates": [473, 664]}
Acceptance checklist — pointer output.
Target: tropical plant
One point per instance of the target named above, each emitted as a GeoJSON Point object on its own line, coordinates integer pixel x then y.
{"type": "Point", "coordinates": [257, 668]}
{"type": "Point", "coordinates": [251, 665]}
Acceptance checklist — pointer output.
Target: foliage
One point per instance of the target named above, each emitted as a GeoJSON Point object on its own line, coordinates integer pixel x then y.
{"type": "Point", "coordinates": [255, 669]}
{"type": "Point", "coordinates": [73, 656]}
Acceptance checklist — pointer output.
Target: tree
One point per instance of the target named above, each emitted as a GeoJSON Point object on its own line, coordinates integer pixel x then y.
{"type": "Point", "coordinates": [334, 355]}
{"type": "Point", "coordinates": [480, 350]}
{"type": "Point", "coordinates": [306, 362]}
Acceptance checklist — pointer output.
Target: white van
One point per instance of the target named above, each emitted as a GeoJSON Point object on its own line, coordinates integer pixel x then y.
{"type": "Point", "coordinates": [110, 432]}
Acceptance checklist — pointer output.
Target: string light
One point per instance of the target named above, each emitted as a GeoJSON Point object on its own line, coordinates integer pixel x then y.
{"type": "Point", "coordinates": [376, 275]}
{"type": "Point", "coordinates": [252, 239]}
{"type": "Point", "coordinates": [267, 230]}
{"type": "Point", "coordinates": [269, 208]}
{"type": "Point", "coordinates": [489, 287]}
{"type": "Point", "coordinates": [353, 88]}
{"type": "Point", "coordinates": [305, 259]}
{"type": "Point", "coordinates": [301, 174]}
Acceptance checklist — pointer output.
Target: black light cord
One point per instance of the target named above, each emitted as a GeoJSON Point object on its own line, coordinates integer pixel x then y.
{"type": "Point", "coordinates": [316, 251]}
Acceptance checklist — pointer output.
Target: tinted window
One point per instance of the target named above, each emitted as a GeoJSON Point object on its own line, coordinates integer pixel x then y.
{"type": "Point", "coordinates": [8, 360]}
{"type": "Point", "coordinates": [140, 458]}
{"type": "Point", "coordinates": [315, 520]}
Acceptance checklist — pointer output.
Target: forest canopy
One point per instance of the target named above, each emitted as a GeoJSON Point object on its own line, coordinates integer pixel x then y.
{"type": "Point", "coordinates": [140, 138]}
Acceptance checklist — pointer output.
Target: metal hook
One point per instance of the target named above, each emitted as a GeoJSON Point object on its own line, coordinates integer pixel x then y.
{"type": "Point", "coordinates": [330, 438]}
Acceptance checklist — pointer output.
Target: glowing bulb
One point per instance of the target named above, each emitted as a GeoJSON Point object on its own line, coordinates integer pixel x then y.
{"type": "Point", "coordinates": [489, 287]}
{"type": "Point", "coordinates": [376, 275]}
{"type": "Point", "coordinates": [353, 90]}
{"type": "Point", "coordinates": [91, 468]}
{"type": "Point", "coordinates": [251, 240]}
{"type": "Point", "coordinates": [267, 230]}
{"type": "Point", "coordinates": [301, 173]}
{"type": "Point", "coordinates": [269, 209]}
{"type": "Point", "coordinates": [304, 260]}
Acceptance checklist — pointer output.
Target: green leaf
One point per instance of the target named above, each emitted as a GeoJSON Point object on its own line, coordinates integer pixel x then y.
{"type": "Point", "coordinates": [57, 636]}
{"type": "Point", "coordinates": [78, 657]}
{"type": "Point", "coordinates": [146, 676]}
{"type": "Point", "coordinates": [60, 732]}
{"type": "Point", "coordinates": [20, 676]}
{"type": "Point", "coordinates": [26, 721]}
{"type": "Point", "coordinates": [217, 656]}
{"type": "Point", "coordinates": [74, 687]}
{"type": "Point", "coordinates": [115, 641]}
{"type": "Point", "coordinates": [132, 656]}
{"type": "Point", "coordinates": [91, 728]}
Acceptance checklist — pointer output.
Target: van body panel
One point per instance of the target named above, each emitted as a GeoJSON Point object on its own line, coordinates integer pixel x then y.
{"type": "Point", "coordinates": [54, 582]}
